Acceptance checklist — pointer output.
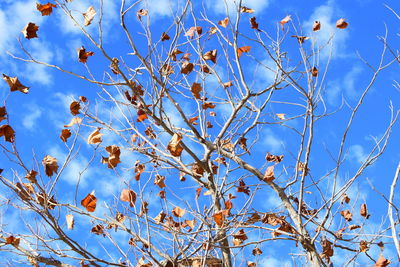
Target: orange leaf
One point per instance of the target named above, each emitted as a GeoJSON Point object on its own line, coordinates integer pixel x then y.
{"type": "Point", "coordinates": [45, 9]}
{"type": "Point", "coordinates": [174, 146]}
{"type": "Point", "coordinates": [316, 26]}
{"type": "Point", "coordinates": [341, 24]}
{"type": "Point", "coordinates": [244, 9]}
{"type": "Point", "coordinates": [178, 212]}
{"type": "Point", "coordinates": [65, 134]}
{"type": "Point", "coordinates": [159, 180]}
{"type": "Point", "coordinates": [8, 132]}
{"type": "Point", "coordinates": [164, 37]}
{"type": "Point", "coordinates": [269, 174]}
{"type": "Point", "coordinates": [196, 89]}
{"type": "Point", "coordinates": [128, 195]}
{"type": "Point", "coordinates": [113, 159]}
{"type": "Point", "coordinates": [284, 21]}
{"type": "Point", "coordinates": [347, 215]}
{"type": "Point", "coordinates": [243, 49]}
{"type": "Point", "coordinates": [89, 202]}
{"type": "Point", "coordinates": [224, 22]}
{"type": "Point", "coordinates": [11, 240]}
{"type": "Point", "coordinates": [95, 137]}
{"type": "Point", "coordinates": [364, 211]}
{"type": "Point", "coordinates": [382, 262]}
{"type": "Point", "coordinates": [83, 55]}
{"type": "Point", "coordinates": [50, 165]}
{"type": "Point", "coordinates": [75, 120]}
{"type": "Point", "coordinates": [74, 107]}
{"type": "Point", "coordinates": [15, 84]}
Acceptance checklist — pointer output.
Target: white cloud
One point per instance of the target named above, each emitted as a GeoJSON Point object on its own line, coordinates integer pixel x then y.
{"type": "Point", "coordinates": [271, 142]}
{"type": "Point", "coordinates": [33, 114]}
{"type": "Point", "coordinates": [221, 6]}
{"type": "Point", "coordinates": [159, 7]}
{"type": "Point", "coordinates": [356, 152]}
{"type": "Point", "coordinates": [346, 86]}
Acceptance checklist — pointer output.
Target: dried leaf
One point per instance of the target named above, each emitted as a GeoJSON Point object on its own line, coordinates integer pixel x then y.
{"type": "Point", "coordinates": [142, 12]}
{"type": "Point", "coordinates": [273, 158]}
{"type": "Point", "coordinates": [347, 215]}
{"type": "Point", "coordinates": [113, 159]}
{"type": "Point", "coordinates": [301, 39]}
{"type": "Point", "coordinates": [239, 237]}
{"type": "Point", "coordinates": [353, 227]}
{"type": "Point", "coordinates": [314, 71]}
{"type": "Point", "coordinates": [89, 202]}
{"type": "Point", "coordinates": [192, 30]}
{"type": "Point", "coordinates": [89, 16]}
{"type": "Point", "coordinates": [382, 262]}
{"type": "Point", "coordinates": [219, 217]}
{"type": "Point", "coordinates": [139, 169]}
{"type": "Point", "coordinates": [3, 113]}
{"type": "Point", "coordinates": [15, 84]}
{"type": "Point", "coordinates": [197, 169]}
{"type": "Point", "coordinates": [45, 9]}
{"type": "Point", "coordinates": [74, 107]}
{"type": "Point", "coordinates": [193, 120]}
{"type": "Point", "coordinates": [327, 250]}
{"type": "Point", "coordinates": [196, 89]}
{"type": "Point", "coordinates": [224, 22]}
{"type": "Point", "coordinates": [281, 116]}
{"type": "Point", "coordinates": [251, 264]}
{"type": "Point", "coordinates": [341, 24]}
{"type": "Point", "coordinates": [141, 115]}
{"type": "Point", "coordinates": [31, 176]}
{"type": "Point", "coordinates": [75, 120]}
{"type": "Point", "coordinates": [164, 37]}
{"type": "Point", "coordinates": [207, 105]}
{"type": "Point", "coordinates": [30, 30]}
{"type": "Point", "coordinates": [50, 164]}
{"type": "Point", "coordinates": [364, 211]}
{"type": "Point", "coordinates": [8, 132]}
{"type": "Point", "coordinates": [243, 188]}
{"type": "Point", "coordinates": [178, 212]}
{"type": "Point", "coordinates": [128, 195]}
{"type": "Point", "coordinates": [175, 53]}
{"type": "Point", "coordinates": [174, 146]}
{"type": "Point", "coordinates": [211, 55]}
{"type": "Point", "coordinates": [65, 134]}
{"type": "Point", "coordinates": [227, 84]}
{"type": "Point", "coordinates": [254, 24]}
{"type": "Point", "coordinates": [50, 203]}
{"type": "Point", "coordinates": [363, 246]}
{"type": "Point", "coordinates": [187, 67]}
{"type": "Point", "coordinates": [204, 68]}
{"type": "Point", "coordinates": [95, 137]}
{"type": "Point", "coordinates": [159, 180]}
{"type": "Point", "coordinates": [244, 9]}
{"type": "Point", "coordinates": [70, 221]}
{"type": "Point", "coordinates": [83, 55]}
{"type": "Point", "coordinates": [269, 174]}
{"type": "Point", "coordinates": [316, 26]}
{"type": "Point", "coordinates": [243, 49]}
{"type": "Point", "coordinates": [98, 230]}
{"type": "Point", "coordinates": [11, 240]}
{"type": "Point", "coordinates": [160, 217]}
{"type": "Point", "coordinates": [345, 199]}
{"type": "Point", "coordinates": [166, 70]}
{"type": "Point", "coordinates": [257, 251]}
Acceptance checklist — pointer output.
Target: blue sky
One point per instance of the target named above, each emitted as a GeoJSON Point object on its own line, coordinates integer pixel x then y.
{"type": "Point", "coordinates": [39, 116]}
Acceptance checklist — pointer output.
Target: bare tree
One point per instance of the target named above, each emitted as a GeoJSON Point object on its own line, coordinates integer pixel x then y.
{"type": "Point", "coordinates": [180, 122]}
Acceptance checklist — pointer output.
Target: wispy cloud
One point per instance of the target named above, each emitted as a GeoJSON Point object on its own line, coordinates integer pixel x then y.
{"type": "Point", "coordinates": [344, 86]}
{"type": "Point", "coordinates": [30, 120]}
{"type": "Point", "coordinates": [222, 6]}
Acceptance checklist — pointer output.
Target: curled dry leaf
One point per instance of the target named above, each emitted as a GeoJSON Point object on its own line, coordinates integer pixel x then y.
{"type": "Point", "coordinates": [142, 12]}
{"type": "Point", "coordinates": [139, 169]}
{"type": "Point", "coordinates": [175, 53]}
{"type": "Point", "coordinates": [45, 9]}
{"type": "Point", "coordinates": [98, 230]}
{"type": "Point", "coordinates": [164, 37]}
{"type": "Point", "coordinates": [50, 165]}
{"type": "Point", "coordinates": [75, 120]}
{"type": "Point", "coordinates": [74, 107]}
{"type": "Point", "coordinates": [213, 30]}
{"type": "Point", "coordinates": [128, 195]}
{"type": "Point", "coordinates": [224, 22]}
{"type": "Point", "coordinates": [159, 180]}
{"type": "Point", "coordinates": [301, 39]}
{"type": "Point", "coordinates": [281, 116]}
{"type": "Point", "coordinates": [284, 21]}
{"type": "Point", "coordinates": [327, 250]}
{"type": "Point", "coordinates": [15, 84]}
{"type": "Point", "coordinates": [316, 26]}
{"type": "Point", "coordinates": [347, 215]}
{"type": "Point", "coordinates": [227, 84]}
{"type": "Point", "coordinates": [113, 159]}
{"type": "Point", "coordinates": [3, 113]}
{"type": "Point", "coordinates": [345, 199]}
{"type": "Point", "coordinates": [269, 174]}
{"type": "Point", "coordinates": [30, 30]}
{"type": "Point", "coordinates": [8, 132]}
{"type": "Point", "coordinates": [244, 9]}
{"type": "Point", "coordinates": [207, 105]}
{"type": "Point", "coordinates": [192, 30]}
{"type": "Point", "coordinates": [239, 237]}
{"type": "Point", "coordinates": [314, 71]}
{"type": "Point", "coordinates": [341, 24]}
{"type": "Point", "coordinates": [363, 246]}
{"type": "Point", "coordinates": [70, 221]}
{"type": "Point", "coordinates": [160, 217]}
{"type": "Point", "coordinates": [204, 68]}
{"type": "Point", "coordinates": [174, 146]}
{"type": "Point", "coordinates": [251, 264]}
{"type": "Point", "coordinates": [89, 16]}
{"type": "Point", "coordinates": [209, 124]}
{"type": "Point", "coordinates": [273, 158]}
{"type": "Point", "coordinates": [83, 55]}
{"type": "Point", "coordinates": [257, 251]}
{"type": "Point", "coordinates": [141, 115]}
{"type": "Point", "coordinates": [254, 24]}
{"type": "Point", "coordinates": [243, 49]}
{"type": "Point", "coordinates": [364, 211]}
{"type": "Point", "coordinates": [219, 217]}
{"type": "Point", "coordinates": [166, 70]}
{"type": "Point", "coordinates": [95, 137]}
{"type": "Point", "coordinates": [187, 67]}
{"type": "Point", "coordinates": [50, 203]}
{"type": "Point", "coordinates": [193, 120]}
{"type": "Point", "coordinates": [353, 227]}
{"type": "Point", "coordinates": [65, 134]}
{"type": "Point", "coordinates": [197, 169]}
{"type": "Point", "coordinates": [381, 262]}
{"type": "Point", "coordinates": [211, 55]}
{"type": "Point", "coordinates": [89, 202]}
{"type": "Point", "coordinates": [11, 240]}
{"type": "Point", "coordinates": [196, 89]}
{"type": "Point", "coordinates": [31, 176]}
{"type": "Point", "coordinates": [178, 212]}
{"type": "Point", "coordinates": [243, 188]}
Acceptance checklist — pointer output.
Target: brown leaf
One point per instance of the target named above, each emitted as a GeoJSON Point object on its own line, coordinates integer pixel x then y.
{"type": "Point", "coordinates": [128, 195]}
{"type": "Point", "coordinates": [209, 124]}
{"type": "Point", "coordinates": [301, 39]}
{"type": "Point", "coordinates": [192, 30]}
{"type": "Point", "coordinates": [150, 133]}
{"type": "Point", "coordinates": [75, 120]}
{"type": "Point", "coordinates": [314, 71]}
{"type": "Point", "coordinates": [162, 194]}
{"type": "Point", "coordinates": [83, 55]}
{"type": "Point", "coordinates": [139, 169]}
{"type": "Point", "coordinates": [11, 240]}
{"type": "Point", "coordinates": [31, 176]}
{"type": "Point", "coordinates": [281, 116]}
{"type": "Point", "coordinates": [198, 191]}
{"type": "Point", "coordinates": [70, 221]}
{"type": "Point", "coordinates": [363, 246]}
{"type": "Point", "coordinates": [243, 49]}
{"type": "Point", "coordinates": [95, 137]}
{"type": "Point", "coordinates": [224, 22]}
{"type": "Point", "coordinates": [251, 264]}
{"type": "Point", "coordinates": [189, 223]}
{"type": "Point", "coordinates": [345, 199]}
{"type": "Point", "coordinates": [382, 262]}
{"type": "Point", "coordinates": [243, 143]}
{"type": "Point", "coordinates": [211, 55]}
{"type": "Point", "coordinates": [187, 67]}
{"type": "Point", "coordinates": [15, 84]}
{"type": "Point", "coordinates": [89, 16]}
{"type": "Point", "coordinates": [166, 70]}
{"type": "Point", "coordinates": [141, 115]}
{"type": "Point", "coordinates": [196, 89]}
{"type": "Point", "coordinates": [269, 174]}
{"type": "Point", "coordinates": [227, 84]}
{"type": "Point", "coordinates": [83, 99]}
{"type": "Point", "coordinates": [256, 251]}
{"type": "Point", "coordinates": [142, 12]}
{"type": "Point", "coordinates": [45, 9]}
{"type": "Point", "coordinates": [273, 158]}
{"type": "Point", "coordinates": [207, 105]}
{"type": "Point", "coordinates": [254, 24]}
{"type": "Point", "coordinates": [341, 24]}
{"type": "Point", "coordinates": [178, 212]}
{"type": "Point", "coordinates": [353, 227]}
{"type": "Point", "coordinates": [204, 68]}
{"type": "Point", "coordinates": [244, 9]}
{"type": "Point", "coordinates": [30, 30]}
{"type": "Point", "coordinates": [219, 217]}
{"type": "Point", "coordinates": [175, 53]}
{"type": "Point", "coordinates": [113, 159]}
{"type": "Point", "coordinates": [193, 120]}
{"type": "Point", "coordinates": [65, 134]}
{"type": "Point", "coordinates": [3, 113]}
{"type": "Point", "coordinates": [159, 180]}
{"type": "Point", "coordinates": [50, 164]}
{"type": "Point", "coordinates": [347, 215]}
{"type": "Point", "coordinates": [316, 26]}
{"type": "Point", "coordinates": [98, 230]}
{"type": "Point", "coordinates": [160, 217]}
{"type": "Point", "coordinates": [243, 188]}
{"type": "Point", "coordinates": [89, 202]}
{"type": "Point", "coordinates": [239, 237]}
{"type": "Point", "coordinates": [164, 37]}
{"type": "Point", "coordinates": [213, 30]}
{"type": "Point", "coordinates": [364, 211]}
{"type": "Point", "coordinates": [174, 146]}
{"type": "Point", "coordinates": [197, 169]}
{"type": "Point", "coordinates": [327, 250]}
{"type": "Point", "coordinates": [51, 202]}
{"type": "Point", "coordinates": [74, 107]}
{"type": "Point", "coordinates": [213, 114]}
{"type": "Point", "coordinates": [8, 132]}
{"type": "Point", "coordinates": [272, 219]}
{"type": "Point", "coordinates": [284, 21]}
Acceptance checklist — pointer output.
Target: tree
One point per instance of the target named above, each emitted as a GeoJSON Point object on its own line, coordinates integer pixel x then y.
{"type": "Point", "coordinates": [181, 135]}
